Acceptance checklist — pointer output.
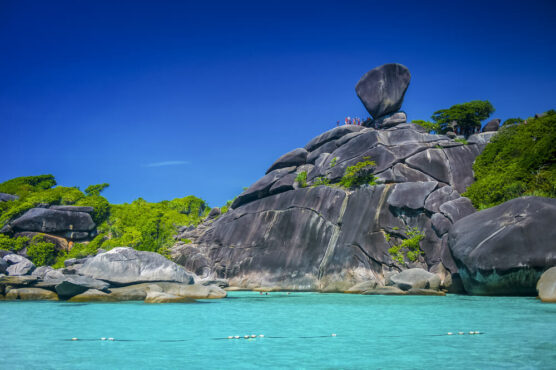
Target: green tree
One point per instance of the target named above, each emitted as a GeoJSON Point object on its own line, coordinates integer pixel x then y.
{"type": "Point", "coordinates": [512, 121]}
{"type": "Point", "coordinates": [519, 160]}
{"type": "Point", "coordinates": [96, 189]}
{"type": "Point", "coordinates": [427, 125]}
{"type": "Point", "coordinates": [468, 116]}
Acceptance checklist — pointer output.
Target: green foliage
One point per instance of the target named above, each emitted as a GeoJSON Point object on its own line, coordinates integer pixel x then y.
{"type": "Point", "coordinates": [359, 174]}
{"type": "Point", "coordinates": [79, 250]}
{"type": "Point", "coordinates": [463, 141]}
{"type": "Point", "coordinates": [427, 125]}
{"type": "Point", "coordinates": [467, 115]}
{"type": "Point", "coordinates": [149, 226]}
{"type": "Point", "coordinates": [41, 252]}
{"type": "Point", "coordinates": [100, 205]}
{"type": "Point", "coordinates": [185, 241]}
{"type": "Point", "coordinates": [512, 121]}
{"type": "Point", "coordinates": [23, 185]}
{"type": "Point", "coordinates": [13, 244]}
{"type": "Point", "coordinates": [96, 189]}
{"type": "Point", "coordinates": [520, 160]}
{"type": "Point", "coordinates": [409, 248]}
{"type": "Point", "coordinates": [301, 179]}
{"type": "Point", "coordinates": [227, 206]}
{"type": "Point", "coordinates": [333, 162]}
{"type": "Point", "coordinates": [58, 195]}
{"type": "Point", "coordinates": [321, 181]}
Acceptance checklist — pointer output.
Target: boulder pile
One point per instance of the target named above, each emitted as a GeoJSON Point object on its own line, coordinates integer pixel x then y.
{"type": "Point", "coordinates": [296, 228]}
{"type": "Point", "coordinates": [121, 274]}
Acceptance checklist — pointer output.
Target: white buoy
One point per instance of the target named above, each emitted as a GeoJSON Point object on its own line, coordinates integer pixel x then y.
{"type": "Point", "coordinates": [460, 333]}
{"type": "Point", "coordinates": [450, 333]}
{"type": "Point", "coordinates": [230, 337]}
{"type": "Point", "coordinates": [74, 338]}
{"type": "Point", "coordinates": [246, 336]}
{"type": "Point", "coordinates": [261, 336]}
{"type": "Point", "coordinates": [102, 338]}
{"type": "Point", "coordinates": [471, 332]}
{"type": "Point", "coordinates": [253, 336]}
{"type": "Point", "coordinates": [333, 335]}
{"type": "Point", "coordinates": [236, 337]}
{"type": "Point", "coordinates": [477, 332]}
{"type": "Point", "coordinates": [110, 338]}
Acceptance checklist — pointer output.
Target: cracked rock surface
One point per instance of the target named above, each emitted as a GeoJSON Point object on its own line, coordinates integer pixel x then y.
{"type": "Point", "coordinates": [327, 238]}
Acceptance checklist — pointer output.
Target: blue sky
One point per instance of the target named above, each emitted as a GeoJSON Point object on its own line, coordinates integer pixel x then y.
{"type": "Point", "coordinates": [164, 99]}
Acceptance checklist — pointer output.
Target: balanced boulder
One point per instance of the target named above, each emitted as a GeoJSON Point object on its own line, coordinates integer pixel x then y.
{"type": "Point", "coordinates": [382, 89]}
{"type": "Point", "coordinates": [503, 250]}
{"type": "Point", "coordinates": [296, 157]}
{"type": "Point", "coordinates": [492, 125]}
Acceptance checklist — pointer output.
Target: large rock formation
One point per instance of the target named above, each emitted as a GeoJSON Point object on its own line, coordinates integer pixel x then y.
{"type": "Point", "coordinates": [504, 250]}
{"type": "Point", "coordinates": [382, 89]}
{"type": "Point", "coordinates": [117, 275]}
{"type": "Point", "coordinates": [281, 236]}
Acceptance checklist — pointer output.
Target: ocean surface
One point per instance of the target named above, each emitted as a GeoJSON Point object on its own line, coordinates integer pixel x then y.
{"type": "Point", "coordinates": [371, 332]}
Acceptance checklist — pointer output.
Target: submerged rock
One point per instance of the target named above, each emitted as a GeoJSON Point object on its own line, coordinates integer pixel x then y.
{"type": "Point", "coordinates": [416, 278]}
{"type": "Point", "coordinates": [504, 250]}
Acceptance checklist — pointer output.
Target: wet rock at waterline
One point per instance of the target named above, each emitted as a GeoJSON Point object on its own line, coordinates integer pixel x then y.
{"type": "Point", "coordinates": [504, 250]}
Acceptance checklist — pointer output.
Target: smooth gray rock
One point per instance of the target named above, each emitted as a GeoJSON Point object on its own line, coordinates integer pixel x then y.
{"type": "Point", "coordinates": [214, 212]}
{"type": "Point", "coordinates": [416, 278]}
{"type": "Point", "coordinates": [503, 250]}
{"type": "Point", "coordinates": [126, 266]}
{"type": "Point", "coordinates": [49, 220]}
{"type": "Point", "coordinates": [73, 208]}
{"type": "Point", "coordinates": [7, 197]}
{"type": "Point", "coordinates": [457, 209]}
{"type": "Point", "coordinates": [76, 284]}
{"type": "Point", "coordinates": [440, 224]}
{"type": "Point", "coordinates": [546, 286]}
{"type": "Point", "coordinates": [330, 135]}
{"type": "Point", "coordinates": [284, 184]}
{"type": "Point", "coordinates": [492, 125]}
{"type": "Point", "coordinates": [329, 147]}
{"type": "Point", "coordinates": [18, 265]}
{"type": "Point", "coordinates": [74, 261]}
{"type": "Point", "coordinates": [296, 157]}
{"type": "Point", "coordinates": [439, 197]}
{"type": "Point", "coordinates": [382, 89]}
{"type": "Point", "coordinates": [41, 271]}
{"type": "Point", "coordinates": [3, 266]}
{"type": "Point", "coordinates": [411, 195]}
{"type": "Point", "coordinates": [261, 188]}
{"type": "Point", "coordinates": [481, 138]}
{"type": "Point", "coordinates": [390, 120]}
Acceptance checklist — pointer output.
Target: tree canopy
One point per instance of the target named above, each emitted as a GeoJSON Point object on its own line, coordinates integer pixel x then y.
{"type": "Point", "coordinates": [520, 160]}
{"type": "Point", "coordinates": [468, 116]}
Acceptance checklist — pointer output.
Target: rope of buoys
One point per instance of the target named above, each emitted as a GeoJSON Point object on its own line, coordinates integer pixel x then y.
{"type": "Point", "coordinates": [254, 336]}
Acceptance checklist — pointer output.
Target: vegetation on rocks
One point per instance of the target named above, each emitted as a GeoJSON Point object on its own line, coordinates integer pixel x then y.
{"type": "Point", "coordinates": [520, 160]}
{"type": "Point", "coordinates": [141, 225]}
{"type": "Point", "coordinates": [359, 174]}
{"type": "Point", "coordinates": [467, 115]}
{"type": "Point", "coordinates": [301, 179]}
{"type": "Point", "coordinates": [409, 248]}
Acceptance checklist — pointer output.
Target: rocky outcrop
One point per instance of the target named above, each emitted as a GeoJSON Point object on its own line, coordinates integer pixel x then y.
{"type": "Point", "coordinates": [296, 157]}
{"type": "Point", "coordinates": [382, 89]}
{"type": "Point", "coordinates": [121, 266]}
{"type": "Point", "coordinates": [117, 275]}
{"type": "Point", "coordinates": [18, 265]}
{"type": "Point", "coordinates": [546, 286]}
{"type": "Point", "coordinates": [7, 197]}
{"type": "Point", "coordinates": [328, 238]}
{"type": "Point", "coordinates": [504, 250]}
{"type": "Point", "coordinates": [56, 224]}
{"type": "Point", "coordinates": [492, 126]}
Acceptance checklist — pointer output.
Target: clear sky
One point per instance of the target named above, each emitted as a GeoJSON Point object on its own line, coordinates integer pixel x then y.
{"type": "Point", "coordinates": [164, 99]}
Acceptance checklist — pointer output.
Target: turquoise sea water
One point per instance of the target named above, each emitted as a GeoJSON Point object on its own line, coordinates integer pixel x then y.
{"type": "Point", "coordinates": [389, 332]}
